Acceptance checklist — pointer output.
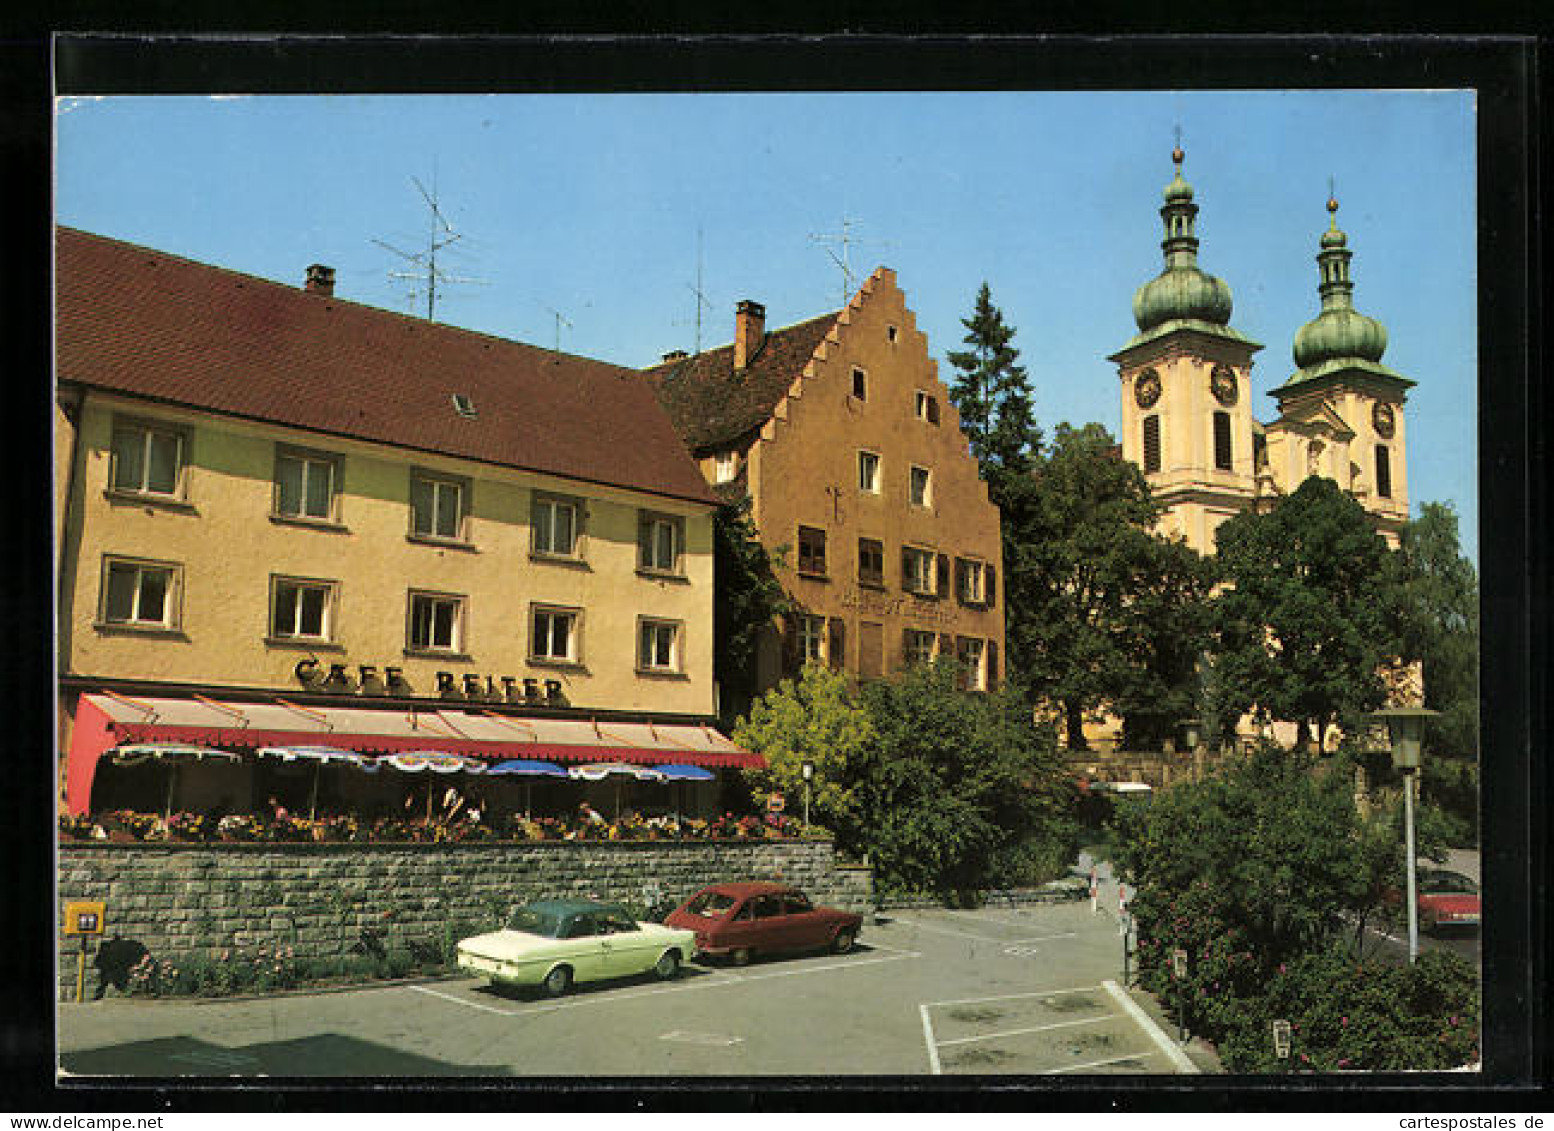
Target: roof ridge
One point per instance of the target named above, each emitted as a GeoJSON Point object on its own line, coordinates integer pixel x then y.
{"type": "Point", "coordinates": [287, 288]}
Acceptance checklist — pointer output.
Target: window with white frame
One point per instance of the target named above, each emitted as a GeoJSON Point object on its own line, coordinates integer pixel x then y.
{"type": "Point", "coordinates": [918, 572]}
{"type": "Point", "coordinates": [812, 638]}
{"type": "Point", "coordinates": [658, 645]}
{"type": "Point", "coordinates": [869, 472]}
{"type": "Point", "coordinates": [725, 467]}
{"type": "Point", "coordinates": [970, 652]}
{"type": "Point", "coordinates": [920, 489]}
{"type": "Point", "coordinates": [555, 524]}
{"type": "Point", "coordinates": [919, 646]}
{"type": "Point", "coordinates": [148, 459]}
{"type": "Point", "coordinates": [658, 543]}
{"type": "Point", "coordinates": [971, 581]}
{"type": "Point", "coordinates": [437, 506]}
{"type": "Point", "coordinates": [927, 407]}
{"type": "Point", "coordinates": [301, 609]}
{"type": "Point", "coordinates": [140, 594]}
{"type": "Point", "coordinates": [555, 635]}
{"type": "Point", "coordinates": [305, 485]}
{"type": "Point", "coordinates": [436, 622]}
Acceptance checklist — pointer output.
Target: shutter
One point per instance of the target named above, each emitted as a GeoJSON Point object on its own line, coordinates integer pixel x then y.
{"type": "Point", "coordinates": [992, 665]}
{"type": "Point", "coordinates": [1151, 444]}
{"type": "Point", "coordinates": [644, 543]}
{"type": "Point", "coordinates": [946, 646]}
{"type": "Point", "coordinates": [990, 580]}
{"type": "Point", "coordinates": [906, 569]}
{"type": "Point", "coordinates": [943, 579]}
{"type": "Point", "coordinates": [962, 567]}
{"type": "Point", "coordinates": [790, 644]}
{"type": "Point", "coordinates": [836, 644]}
{"type": "Point", "coordinates": [906, 647]}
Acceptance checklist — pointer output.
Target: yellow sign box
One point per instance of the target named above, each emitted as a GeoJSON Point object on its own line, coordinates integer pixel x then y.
{"type": "Point", "coordinates": [85, 918]}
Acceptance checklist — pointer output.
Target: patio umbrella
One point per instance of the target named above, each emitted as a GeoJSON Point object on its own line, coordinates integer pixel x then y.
{"type": "Point", "coordinates": [528, 768]}
{"type": "Point", "coordinates": [598, 771]}
{"type": "Point", "coordinates": [320, 756]}
{"type": "Point", "coordinates": [134, 754]}
{"type": "Point", "coordinates": [436, 762]}
{"type": "Point", "coordinates": [679, 773]}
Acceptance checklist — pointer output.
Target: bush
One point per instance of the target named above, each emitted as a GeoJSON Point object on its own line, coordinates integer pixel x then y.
{"type": "Point", "coordinates": [1351, 1015]}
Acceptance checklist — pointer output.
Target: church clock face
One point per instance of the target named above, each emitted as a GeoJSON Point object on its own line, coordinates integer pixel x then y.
{"type": "Point", "coordinates": [1383, 419]}
{"type": "Point", "coordinates": [1146, 390]}
{"type": "Point", "coordinates": [1222, 381]}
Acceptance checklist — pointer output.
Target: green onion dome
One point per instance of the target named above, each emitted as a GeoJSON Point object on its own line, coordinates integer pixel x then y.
{"type": "Point", "coordinates": [1183, 291]}
{"type": "Point", "coordinates": [1339, 332]}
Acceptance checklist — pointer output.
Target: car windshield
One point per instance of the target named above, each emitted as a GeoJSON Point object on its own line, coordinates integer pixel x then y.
{"type": "Point", "coordinates": [531, 920]}
{"type": "Point", "coordinates": [1447, 882]}
{"type": "Point", "coordinates": [710, 904]}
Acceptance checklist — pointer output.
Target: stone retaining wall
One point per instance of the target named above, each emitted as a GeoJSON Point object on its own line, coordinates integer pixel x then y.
{"type": "Point", "coordinates": [183, 899]}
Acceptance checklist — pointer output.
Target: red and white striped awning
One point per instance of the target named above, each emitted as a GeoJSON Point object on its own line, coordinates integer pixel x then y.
{"type": "Point", "coordinates": [107, 719]}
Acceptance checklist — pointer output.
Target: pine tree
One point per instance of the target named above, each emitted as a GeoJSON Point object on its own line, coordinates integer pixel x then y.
{"type": "Point", "coordinates": [992, 393]}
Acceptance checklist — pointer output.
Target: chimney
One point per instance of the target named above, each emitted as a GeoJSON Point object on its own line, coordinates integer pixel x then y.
{"type": "Point", "coordinates": [749, 331]}
{"type": "Point", "coordinates": [675, 355]}
{"type": "Point", "coordinates": [321, 280]}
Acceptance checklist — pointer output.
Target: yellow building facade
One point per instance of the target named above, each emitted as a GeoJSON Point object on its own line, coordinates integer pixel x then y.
{"type": "Point", "coordinates": [266, 495]}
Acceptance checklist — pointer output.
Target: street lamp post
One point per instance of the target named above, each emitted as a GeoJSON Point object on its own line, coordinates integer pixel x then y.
{"type": "Point", "coordinates": [1191, 728]}
{"type": "Point", "coordinates": [1405, 729]}
{"type": "Point", "coordinates": [808, 770]}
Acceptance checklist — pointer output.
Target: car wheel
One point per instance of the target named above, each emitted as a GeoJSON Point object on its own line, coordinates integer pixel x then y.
{"type": "Point", "coordinates": [843, 942]}
{"type": "Point", "coordinates": [741, 956]}
{"type": "Point", "coordinates": [558, 981]}
{"type": "Point", "coordinates": [668, 965]}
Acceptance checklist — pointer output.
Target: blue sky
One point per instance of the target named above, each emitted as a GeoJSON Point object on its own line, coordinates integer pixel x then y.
{"type": "Point", "coordinates": [594, 205]}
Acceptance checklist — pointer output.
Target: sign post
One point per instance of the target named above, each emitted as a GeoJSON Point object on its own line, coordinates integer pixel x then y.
{"type": "Point", "coordinates": [1179, 969]}
{"type": "Point", "coordinates": [85, 919]}
{"type": "Point", "coordinates": [1281, 1043]}
{"type": "Point", "coordinates": [1095, 893]}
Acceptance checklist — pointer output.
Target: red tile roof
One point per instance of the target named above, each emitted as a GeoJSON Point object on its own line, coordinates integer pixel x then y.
{"type": "Point", "coordinates": [148, 324]}
{"type": "Point", "coordinates": [712, 405]}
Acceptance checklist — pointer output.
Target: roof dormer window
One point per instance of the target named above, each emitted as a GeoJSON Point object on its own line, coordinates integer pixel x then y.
{"type": "Point", "coordinates": [464, 406]}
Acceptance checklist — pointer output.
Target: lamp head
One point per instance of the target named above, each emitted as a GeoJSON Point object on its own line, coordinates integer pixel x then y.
{"type": "Point", "coordinates": [808, 770]}
{"type": "Point", "coordinates": [1191, 729]}
{"type": "Point", "coordinates": [1405, 730]}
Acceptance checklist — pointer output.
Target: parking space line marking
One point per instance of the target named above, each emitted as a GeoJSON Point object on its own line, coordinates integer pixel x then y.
{"type": "Point", "coordinates": [1010, 997]}
{"type": "Point", "coordinates": [707, 982]}
{"type": "Point", "coordinates": [1094, 1064]}
{"type": "Point", "coordinates": [1176, 1056]}
{"type": "Point", "coordinates": [933, 1047]}
{"type": "Point", "coordinates": [1022, 1032]}
{"type": "Point", "coordinates": [982, 938]}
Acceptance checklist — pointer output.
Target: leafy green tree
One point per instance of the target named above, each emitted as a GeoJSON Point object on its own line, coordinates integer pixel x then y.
{"type": "Point", "coordinates": [1101, 609]}
{"type": "Point", "coordinates": [1440, 630]}
{"type": "Point", "coordinates": [1311, 610]}
{"type": "Point", "coordinates": [745, 602]}
{"type": "Point", "coordinates": [957, 793]}
{"type": "Point", "coordinates": [817, 720]}
{"type": "Point", "coordinates": [992, 392]}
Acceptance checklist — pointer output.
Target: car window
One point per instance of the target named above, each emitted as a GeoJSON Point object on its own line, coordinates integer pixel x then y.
{"type": "Point", "coordinates": [710, 904]}
{"type": "Point", "coordinates": [615, 922]}
{"type": "Point", "coordinates": [767, 906]}
{"type": "Point", "coordinates": [536, 921]}
{"type": "Point", "coordinates": [796, 903]}
{"type": "Point", "coordinates": [746, 913]}
{"type": "Point", "coordinates": [580, 927]}
{"type": "Point", "coordinates": [1447, 883]}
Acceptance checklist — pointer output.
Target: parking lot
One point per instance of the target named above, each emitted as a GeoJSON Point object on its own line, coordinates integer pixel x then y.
{"type": "Point", "coordinates": [1028, 991]}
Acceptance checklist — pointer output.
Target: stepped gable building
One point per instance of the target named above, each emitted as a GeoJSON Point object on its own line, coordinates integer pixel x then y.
{"type": "Point", "coordinates": [1186, 394]}
{"type": "Point", "coordinates": [862, 485]}
{"type": "Point", "coordinates": [288, 519]}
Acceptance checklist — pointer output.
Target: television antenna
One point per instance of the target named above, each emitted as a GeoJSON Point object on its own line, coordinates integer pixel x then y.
{"type": "Point", "coordinates": [425, 262]}
{"type": "Point", "coordinates": [702, 301]}
{"type": "Point", "coordinates": [561, 320]}
{"type": "Point", "coordinates": [846, 241]}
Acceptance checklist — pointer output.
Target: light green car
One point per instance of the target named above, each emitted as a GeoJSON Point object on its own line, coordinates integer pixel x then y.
{"type": "Point", "coordinates": [554, 943]}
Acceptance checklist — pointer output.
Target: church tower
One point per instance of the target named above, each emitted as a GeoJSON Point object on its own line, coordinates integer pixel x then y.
{"type": "Point", "coordinates": [1186, 385]}
{"type": "Point", "coordinates": [1341, 412]}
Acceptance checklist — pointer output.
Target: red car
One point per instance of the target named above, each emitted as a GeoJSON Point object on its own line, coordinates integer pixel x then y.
{"type": "Point", "coordinates": [740, 920]}
{"type": "Point", "coordinates": [1447, 899]}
